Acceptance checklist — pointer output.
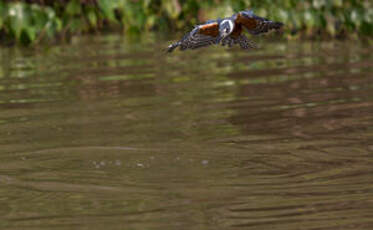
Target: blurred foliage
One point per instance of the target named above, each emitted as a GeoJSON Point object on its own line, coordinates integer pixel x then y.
{"type": "Point", "coordinates": [30, 21]}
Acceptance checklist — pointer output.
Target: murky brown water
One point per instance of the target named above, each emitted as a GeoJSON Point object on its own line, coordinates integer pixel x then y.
{"type": "Point", "coordinates": [105, 133]}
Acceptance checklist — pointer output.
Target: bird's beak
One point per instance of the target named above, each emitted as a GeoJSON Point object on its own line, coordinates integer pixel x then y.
{"type": "Point", "coordinates": [220, 38]}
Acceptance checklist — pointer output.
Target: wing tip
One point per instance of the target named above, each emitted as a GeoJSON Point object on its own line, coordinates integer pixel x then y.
{"type": "Point", "coordinates": [250, 14]}
{"type": "Point", "coordinates": [171, 47]}
{"type": "Point", "coordinates": [278, 25]}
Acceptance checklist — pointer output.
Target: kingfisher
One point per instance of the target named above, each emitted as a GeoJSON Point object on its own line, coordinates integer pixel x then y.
{"type": "Point", "coordinates": [227, 31]}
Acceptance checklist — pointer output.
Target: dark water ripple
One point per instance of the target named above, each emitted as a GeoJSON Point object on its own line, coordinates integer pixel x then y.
{"type": "Point", "coordinates": [109, 133]}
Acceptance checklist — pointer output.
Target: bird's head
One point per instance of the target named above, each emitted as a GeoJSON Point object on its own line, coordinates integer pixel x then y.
{"type": "Point", "coordinates": [226, 27]}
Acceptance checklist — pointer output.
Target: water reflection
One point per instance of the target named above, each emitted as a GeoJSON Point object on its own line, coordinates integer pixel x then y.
{"type": "Point", "coordinates": [105, 133]}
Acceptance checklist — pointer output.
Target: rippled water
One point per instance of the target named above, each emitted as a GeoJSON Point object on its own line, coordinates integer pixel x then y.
{"type": "Point", "coordinates": [109, 133]}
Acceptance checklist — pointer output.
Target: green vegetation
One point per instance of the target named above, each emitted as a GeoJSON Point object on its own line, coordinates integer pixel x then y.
{"type": "Point", "coordinates": [31, 21]}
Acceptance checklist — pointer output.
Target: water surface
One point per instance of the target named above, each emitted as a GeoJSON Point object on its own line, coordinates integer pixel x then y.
{"type": "Point", "coordinates": [111, 133]}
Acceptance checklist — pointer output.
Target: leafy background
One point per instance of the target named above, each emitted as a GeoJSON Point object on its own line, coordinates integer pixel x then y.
{"type": "Point", "coordinates": [33, 21]}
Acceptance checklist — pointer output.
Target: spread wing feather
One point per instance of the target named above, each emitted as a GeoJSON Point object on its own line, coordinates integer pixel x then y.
{"type": "Point", "coordinates": [200, 36]}
{"type": "Point", "coordinates": [255, 24]}
{"type": "Point", "coordinates": [263, 26]}
{"type": "Point", "coordinates": [197, 41]}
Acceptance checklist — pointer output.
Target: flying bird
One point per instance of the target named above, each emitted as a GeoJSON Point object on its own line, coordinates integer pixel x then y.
{"type": "Point", "coordinates": [226, 31]}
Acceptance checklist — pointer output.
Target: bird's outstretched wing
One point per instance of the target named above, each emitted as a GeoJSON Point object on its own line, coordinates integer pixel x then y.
{"type": "Point", "coordinates": [255, 24]}
{"type": "Point", "coordinates": [200, 36]}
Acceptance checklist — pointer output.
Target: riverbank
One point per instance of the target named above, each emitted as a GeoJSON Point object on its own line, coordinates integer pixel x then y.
{"type": "Point", "coordinates": [34, 21]}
